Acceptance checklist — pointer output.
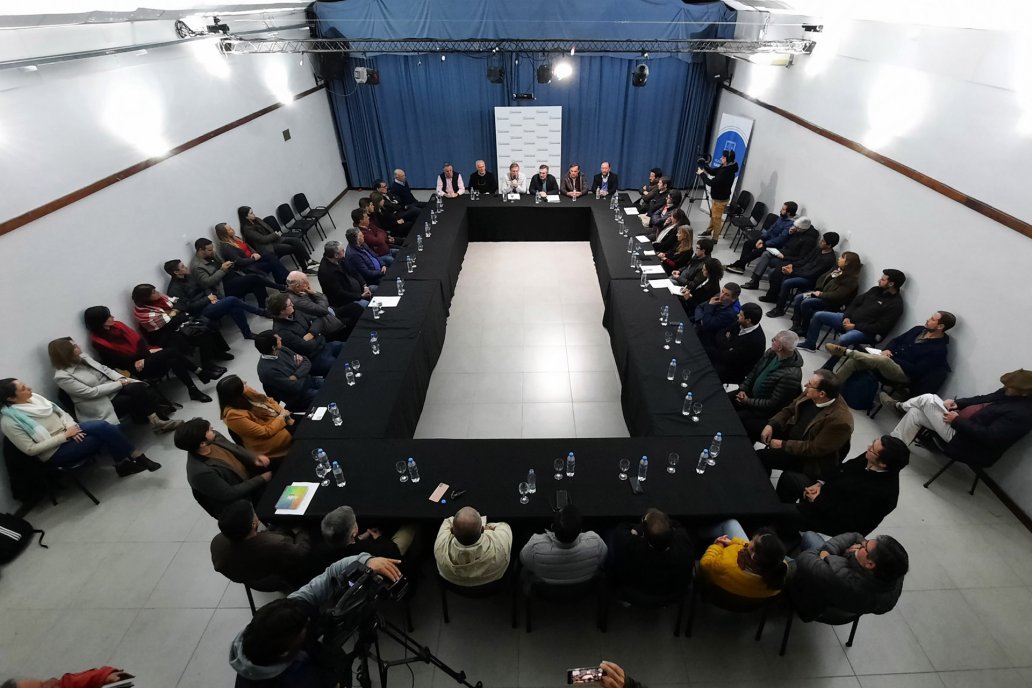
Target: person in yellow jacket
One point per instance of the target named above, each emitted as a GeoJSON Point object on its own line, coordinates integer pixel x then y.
{"type": "Point", "coordinates": [745, 567]}
{"type": "Point", "coordinates": [261, 422]}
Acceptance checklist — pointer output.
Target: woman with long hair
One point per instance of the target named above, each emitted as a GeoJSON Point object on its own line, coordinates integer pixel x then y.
{"type": "Point", "coordinates": [706, 287]}
{"type": "Point", "coordinates": [261, 422]}
{"type": "Point", "coordinates": [38, 427]}
{"type": "Point", "coordinates": [666, 238]}
{"type": "Point", "coordinates": [120, 347]}
{"type": "Point", "coordinates": [100, 393]}
{"type": "Point", "coordinates": [745, 567]}
{"type": "Point", "coordinates": [272, 242]}
{"type": "Point", "coordinates": [832, 291]}
{"type": "Point", "coordinates": [165, 325]}
{"type": "Point", "coordinates": [682, 252]}
{"type": "Point", "coordinates": [231, 247]}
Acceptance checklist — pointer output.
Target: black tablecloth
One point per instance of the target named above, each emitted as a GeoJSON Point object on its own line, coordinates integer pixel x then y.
{"type": "Point", "coordinates": [490, 471]}
{"type": "Point", "coordinates": [492, 220]}
{"type": "Point", "coordinates": [441, 258]}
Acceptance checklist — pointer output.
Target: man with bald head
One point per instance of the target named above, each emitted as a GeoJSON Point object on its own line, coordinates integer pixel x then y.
{"type": "Point", "coordinates": [401, 190]}
{"type": "Point", "coordinates": [470, 551]}
{"type": "Point", "coordinates": [333, 323]}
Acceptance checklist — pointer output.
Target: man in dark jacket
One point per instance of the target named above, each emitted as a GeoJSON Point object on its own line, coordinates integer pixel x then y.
{"type": "Point", "coordinates": [265, 560]}
{"type": "Point", "coordinates": [652, 558]}
{"type": "Point", "coordinates": [543, 184]}
{"type": "Point", "coordinates": [717, 314]}
{"type": "Point", "coordinates": [800, 274]}
{"type": "Point", "coordinates": [338, 282]}
{"type": "Point", "coordinates": [400, 189]}
{"type": "Point", "coordinates": [735, 350]}
{"type": "Point", "coordinates": [919, 354]}
{"type": "Point", "coordinates": [285, 375]}
{"type": "Point", "coordinates": [605, 183]}
{"type": "Point", "coordinates": [657, 186]}
{"type": "Point", "coordinates": [771, 385]}
{"type": "Point", "coordinates": [977, 430]}
{"type": "Point", "coordinates": [851, 574]}
{"type": "Point", "coordinates": [302, 334]}
{"type": "Point", "coordinates": [868, 318]}
{"type": "Point", "coordinates": [220, 472]}
{"type": "Point", "coordinates": [195, 299]}
{"type": "Point", "coordinates": [759, 240]}
{"type": "Point", "coordinates": [811, 434]}
{"type": "Point", "coordinates": [394, 210]}
{"type": "Point", "coordinates": [856, 499]}
{"type": "Point", "coordinates": [801, 240]}
{"type": "Point", "coordinates": [483, 181]}
{"type": "Point", "coordinates": [335, 323]}
{"type": "Point", "coordinates": [221, 276]}
{"type": "Point", "coordinates": [719, 179]}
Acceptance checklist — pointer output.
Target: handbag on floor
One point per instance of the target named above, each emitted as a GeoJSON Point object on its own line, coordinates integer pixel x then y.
{"type": "Point", "coordinates": [15, 535]}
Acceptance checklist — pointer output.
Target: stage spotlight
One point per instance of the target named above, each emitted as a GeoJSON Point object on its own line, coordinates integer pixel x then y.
{"type": "Point", "coordinates": [367, 76]}
{"type": "Point", "coordinates": [544, 74]}
{"type": "Point", "coordinates": [563, 70]}
{"type": "Point", "coordinates": [640, 75]}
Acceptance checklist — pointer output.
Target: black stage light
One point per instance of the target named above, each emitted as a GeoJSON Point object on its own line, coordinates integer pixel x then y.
{"type": "Point", "coordinates": [544, 74]}
{"type": "Point", "coordinates": [640, 75]}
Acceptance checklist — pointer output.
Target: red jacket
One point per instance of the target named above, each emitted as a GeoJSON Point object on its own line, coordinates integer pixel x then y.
{"type": "Point", "coordinates": [94, 678]}
{"type": "Point", "coordinates": [377, 240]}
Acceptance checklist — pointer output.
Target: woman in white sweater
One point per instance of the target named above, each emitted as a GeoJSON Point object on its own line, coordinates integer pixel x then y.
{"type": "Point", "coordinates": [100, 393]}
{"type": "Point", "coordinates": [38, 427]}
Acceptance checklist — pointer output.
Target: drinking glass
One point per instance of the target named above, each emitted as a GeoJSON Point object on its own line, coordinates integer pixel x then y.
{"type": "Point", "coordinates": [696, 411]}
{"type": "Point", "coordinates": [524, 488]}
{"type": "Point", "coordinates": [323, 471]}
{"type": "Point", "coordinates": [668, 337]}
{"type": "Point", "coordinates": [355, 365]}
{"type": "Point", "coordinates": [662, 313]}
{"type": "Point", "coordinates": [625, 465]}
{"type": "Point", "coordinates": [559, 465]}
{"type": "Point", "coordinates": [685, 374]}
{"type": "Point", "coordinates": [402, 468]}
{"type": "Point", "coordinates": [672, 460]}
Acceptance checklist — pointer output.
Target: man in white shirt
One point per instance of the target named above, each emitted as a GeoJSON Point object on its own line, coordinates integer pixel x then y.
{"type": "Point", "coordinates": [471, 552]}
{"type": "Point", "coordinates": [450, 184]}
{"type": "Point", "coordinates": [515, 181]}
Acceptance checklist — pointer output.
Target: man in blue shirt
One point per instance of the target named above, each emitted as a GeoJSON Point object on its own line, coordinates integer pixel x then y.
{"type": "Point", "coordinates": [773, 237]}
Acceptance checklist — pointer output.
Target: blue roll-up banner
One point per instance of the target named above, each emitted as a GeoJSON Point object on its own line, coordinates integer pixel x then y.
{"type": "Point", "coordinates": [733, 134]}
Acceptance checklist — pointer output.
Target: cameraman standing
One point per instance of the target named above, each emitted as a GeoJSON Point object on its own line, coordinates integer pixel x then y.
{"type": "Point", "coordinates": [719, 179]}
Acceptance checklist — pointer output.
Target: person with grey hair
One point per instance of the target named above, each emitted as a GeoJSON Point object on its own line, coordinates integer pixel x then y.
{"type": "Point", "coordinates": [334, 323]}
{"type": "Point", "coordinates": [771, 385]}
{"type": "Point", "coordinates": [341, 285]}
{"type": "Point", "coordinates": [401, 190]}
{"type": "Point", "coordinates": [470, 551]}
{"type": "Point", "coordinates": [483, 181]}
{"type": "Point", "coordinates": [362, 260]}
{"type": "Point", "coordinates": [342, 537]}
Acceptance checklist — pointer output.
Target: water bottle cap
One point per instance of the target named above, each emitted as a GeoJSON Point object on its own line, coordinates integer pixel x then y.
{"type": "Point", "coordinates": [334, 463]}
{"type": "Point", "coordinates": [718, 434]}
{"type": "Point", "coordinates": [705, 452]}
{"type": "Point", "coordinates": [411, 460]}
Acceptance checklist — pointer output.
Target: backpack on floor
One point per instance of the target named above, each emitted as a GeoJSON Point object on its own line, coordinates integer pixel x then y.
{"type": "Point", "coordinates": [15, 535]}
{"type": "Point", "coordinates": [860, 390]}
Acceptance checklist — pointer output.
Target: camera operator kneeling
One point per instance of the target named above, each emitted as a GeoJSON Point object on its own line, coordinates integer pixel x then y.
{"type": "Point", "coordinates": [276, 649]}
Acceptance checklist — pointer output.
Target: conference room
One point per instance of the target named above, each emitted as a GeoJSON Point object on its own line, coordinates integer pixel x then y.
{"type": "Point", "coordinates": [510, 330]}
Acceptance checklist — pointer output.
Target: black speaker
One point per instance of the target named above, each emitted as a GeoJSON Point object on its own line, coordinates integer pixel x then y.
{"type": "Point", "coordinates": [544, 74]}
{"type": "Point", "coordinates": [495, 75]}
{"type": "Point", "coordinates": [329, 66]}
{"type": "Point", "coordinates": [718, 67]}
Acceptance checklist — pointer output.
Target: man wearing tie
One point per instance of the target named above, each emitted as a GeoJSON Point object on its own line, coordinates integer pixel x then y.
{"type": "Point", "coordinates": [543, 184]}
{"type": "Point", "coordinates": [515, 182]}
{"type": "Point", "coordinates": [605, 182]}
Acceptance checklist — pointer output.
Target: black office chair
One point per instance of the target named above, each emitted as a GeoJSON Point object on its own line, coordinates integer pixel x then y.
{"type": "Point", "coordinates": [507, 583]}
{"type": "Point", "coordinates": [738, 206]}
{"type": "Point", "coordinates": [637, 598]}
{"type": "Point", "coordinates": [306, 211]}
{"type": "Point", "coordinates": [830, 616]}
{"type": "Point", "coordinates": [50, 475]}
{"type": "Point", "coordinates": [289, 233]}
{"type": "Point", "coordinates": [287, 220]}
{"type": "Point", "coordinates": [722, 599]}
{"type": "Point", "coordinates": [539, 591]}
{"type": "Point", "coordinates": [743, 224]}
{"type": "Point", "coordinates": [937, 445]}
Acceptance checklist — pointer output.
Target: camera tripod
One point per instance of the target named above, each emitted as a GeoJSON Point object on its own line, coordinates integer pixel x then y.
{"type": "Point", "coordinates": [696, 183]}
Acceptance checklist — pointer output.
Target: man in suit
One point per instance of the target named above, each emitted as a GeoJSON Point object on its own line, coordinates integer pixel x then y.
{"type": "Point", "coordinates": [543, 184]}
{"type": "Point", "coordinates": [285, 375]}
{"type": "Point", "coordinates": [605, 182]}
{"type": "Point", "coordinates": [338, 282]}
{"type": "Point", "coordinates": [395, 208]}
{"type": "Point", "coordinates": [401, 190]}
{"type": "Point", "coordinates": [483, 181]}
{"type": "Point", "coordinates": [736, 349]}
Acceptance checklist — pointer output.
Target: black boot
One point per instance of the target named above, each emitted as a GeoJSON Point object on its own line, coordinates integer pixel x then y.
{"type": "Point", "coordinates": [128, 467]}
{"type": "Point", "coordinates": [147, 463]}
{"type": "Point", "coordinates": [198, 395]}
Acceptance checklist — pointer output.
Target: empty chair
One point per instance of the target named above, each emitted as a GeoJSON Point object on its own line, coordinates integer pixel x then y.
{"type": "Point", "coordinates": [288, 221]}
{"type": "Point", "coordinates": [289, 233]}
{"type": "Point", "coordinates": [306, 211]}
{"type": "Point", "coordinates": [743, 224]}
{"type": "Point", "coordinates": [738, 206]}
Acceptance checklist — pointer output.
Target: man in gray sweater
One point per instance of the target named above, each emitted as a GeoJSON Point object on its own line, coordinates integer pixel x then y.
{"type": "Point", "coordinates": [564, 555]}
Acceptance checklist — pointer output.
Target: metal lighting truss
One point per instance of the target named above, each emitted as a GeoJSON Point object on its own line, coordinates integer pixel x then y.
{"type": "Point", "coordinates": [250, 46]}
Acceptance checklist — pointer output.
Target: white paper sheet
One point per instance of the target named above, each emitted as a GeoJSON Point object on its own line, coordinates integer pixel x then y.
{"type": "Point", "coordinates": [653, 269]}
{"type": "Point", "coordinates": [386, 301]}
{"type": "Point", "coordinates": [641, 239]}
{"type": "Point", "coordinates": [513, 196]}
{"type": "Point", "coordinates": [631, 211]}
{"type": "Point", "coordinates": [552, 198]}
{"type": "Point", "coordinates": [648, 253]}
{"type": "Point", "coordinates": [665, 284]}
{"type": "Point", "coordinates": [295, 499]}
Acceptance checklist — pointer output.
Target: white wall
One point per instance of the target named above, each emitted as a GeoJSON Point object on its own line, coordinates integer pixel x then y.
{"type": "Point", "coordinates": [64, 126]}
{"type": "Point", "coordinates": [941, 101]}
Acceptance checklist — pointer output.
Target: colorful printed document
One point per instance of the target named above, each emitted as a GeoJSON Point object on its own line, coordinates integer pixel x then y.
{"type": "Point", "coordinates": [295, 499]}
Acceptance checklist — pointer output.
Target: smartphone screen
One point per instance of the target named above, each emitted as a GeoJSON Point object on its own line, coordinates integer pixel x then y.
{"type": "Point", "coordinates": [562, 498]}
{"type": "Point", "coordinates": [584, 675]}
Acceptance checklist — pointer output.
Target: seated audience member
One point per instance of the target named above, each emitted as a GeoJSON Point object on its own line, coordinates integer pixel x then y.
{"type": "Point", "coordinates": [119, 346]}
{"type": "Point", "coordinates": [245, 258]}
{"type": "Point", "coordinates": [481, 180]}
{"type": "Point", "coordinates": [341, 537]}
{"type": "Point", "coordinates": [279, 647]}
{"type": "Point", "coordinates": [771, 384]}
{"type": "Point", "coordinates": [976, 429]}
{"type": "Point", "coordinates": [471, 552]}
{"type": "Point", "coordinates": [705, 288]}
{"type": "Point", "coordinates": [605, 182]}
{"type": "Point", "coordinates": [855, 499]}
{"type": "Point", "coordinates": [450, 184]}
{"type": "Point", "coordinates": [720, 178]}
{"type": "Point", "coordinates": [660, 199]}
{"type": "Point", "coordinates": [918, 355]}
{"type": "Point", "coordinates": [93, 678]}
{"type": "Point", "coordinates": [271, 241]}
{"type": "Point", "coordinates": [515, 181]}
{"type": "Point", "coordinates": [666, 239]}
{"type": "Point", "coordinates": [653, 557]}
{"type": "Point", "coordinates": [165, 325]}
{"type": "Point", "coordinates": [658, 217]}
{"type": "Point", "coordinates": [718, 313]}
{"type": "Point", "coordinates": [808, 435]}
{"type": "Point", "coordinates": [681, 253]}
{"type": "Point", "coordinates": [214, 273]}
{"type": "Point", "coordinates": [379, 241]}
{"type": "Point", "coordinates": [100, 393]}
{"type": "Point", "coordinates": [259, 421]}
{"type": "Point", "coordinates": [800, 274]}
{"type": "Point", "coordinates": [302, 335]}
{"type": "Point", "coordinates": [400, 189]}
{"type": "Point", "coordinates": [851, 574]}
{"type": "Point", "coordinates": [735, 350]}
{"type": "Point", "coordinates": [38, 427]}
{"type": "Point", "coordinates": [650, 190]}
{"type": "Point", "coordinates": [744, 566]}
{"type": "Point", "coordinates": [218, 471]}
{"type": "Point", "coordinates": [758, 240]}
{"type": "Point", "coordinates": [564, 555]}
{"type": "Point", "coordinates": [543, 184]}
{"type": "Point", "coordinates": [341, 285]}
{"type": "Point", "coordinates": [832, 291]}
{"type": "Point", "coordinates": [361, 259]}
{"type": "Point", "coordinates": [317, 307]}
{"type": "Point", "coordinates": [193, 298]}
{"type": "Point", "coordinates": [573, 183]}
{"type": "Point", "coordinates": [691, 275]}
{"type": "Point", "coordinates": [868, 318]}
{"type": "Point", "coordinates": [263, 559]}
{"type": "Point", "coordinates": [802, 238]}
{"type": "Point", "coordinates": [390, 214]}
{"type": "Point", "coordinates": [284, 374]}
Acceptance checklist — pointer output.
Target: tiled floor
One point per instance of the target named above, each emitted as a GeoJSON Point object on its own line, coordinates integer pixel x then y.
{"type": "Point", "coordinates": [130, 582]}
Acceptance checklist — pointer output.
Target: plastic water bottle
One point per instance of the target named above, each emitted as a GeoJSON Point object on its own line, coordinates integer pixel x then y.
{"type": "Point", "coordinates": [338, 475]}
{"type": "Point", "coordinates": [571, 464]}
{"type": "Point", "coordinates": [531, 481]}
{"type": "Point", "coordinates": [349, 375]}
{"type": "Point", "coordinates": [334, 415]}
{"type": "Point", "coordinates": [410, 266]}
{"type": "Point", "coordinates": [597, 195]}
{"type": "Point", "coordinates": [714, 449]}
{"type": "Point", "coordinates": [322, 460]}
{"type": "Point", "coordinates": [703, 462]}
{"type": "Point", "coordinates": [643, 469]}
{"type": "Point", "coordinates": [686, 410]}
{"type": "Point", "coordinates": [671, 371]}
{"type": "Point", "coordinates": [376, 310]}
{"type": "Point", "coordinates": [419, 242]}
{"type": "Point", "coordinates": [630, 245]}
{"type": "Point", "coordinates": [374, 343]}
{"type": "Point", "coordinates": [413, 470]}
{"type": "Point", "coordinates": [664, 316]}
{"type": "Point", "coordinates": [427, 232]}
{"type": "Point", "coordinates": [679, 333]}
{"type": "Point", "coordinates": [433, 217]}
{"type": "Point", "coordinates": [401, 286]}
{"type": "Point", "coordinates": [645, 284]}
